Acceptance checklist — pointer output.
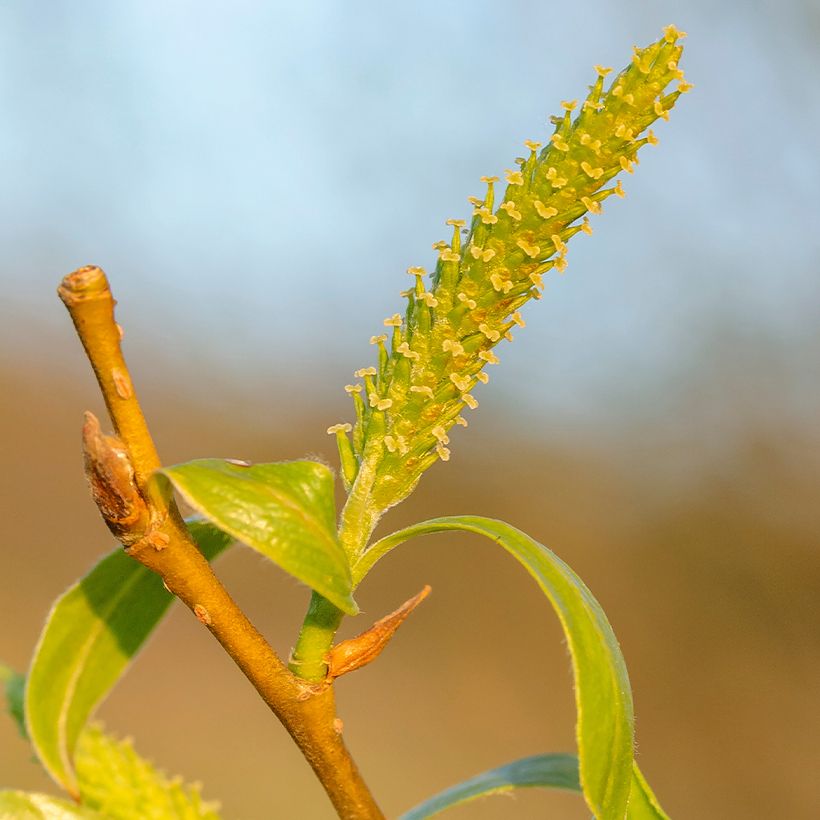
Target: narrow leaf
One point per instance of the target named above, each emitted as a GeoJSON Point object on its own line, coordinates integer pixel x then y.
{"type": "Point", "coordinates": [602, 693]}
{"type": "Point", "coordinates": [119, 784]}
{"type": "Point", "coordinates": [17, 805]}
{"type": "Point", "coordinates": [286, 511]}
{"type": "Point", "coordinates": [538, 771]}
{"type": "Point", "coordinates": [545, 771]}
{"type": "Point", "coordinates": [92, 633]}
{"type": "Point", "coordinates": [643, 805]}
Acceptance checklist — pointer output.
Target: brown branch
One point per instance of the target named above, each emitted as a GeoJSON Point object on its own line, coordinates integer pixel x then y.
{"type": "Point", "coordinates": [354, 653]}
{"type": "Point", "coordinates": [142, 514]}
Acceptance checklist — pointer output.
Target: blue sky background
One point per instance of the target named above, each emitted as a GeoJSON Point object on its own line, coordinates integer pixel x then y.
{"type": "Point", "coordinates": [255, 177]}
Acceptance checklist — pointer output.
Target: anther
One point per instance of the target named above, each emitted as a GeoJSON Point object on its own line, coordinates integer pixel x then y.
{"type": "Point", "coordinates": [514, 177]}
{"type": "Point", "coordinates": [544, 211]}
{"type": "Point", "coordinates": [601, 71]}
{"type": "Point", "coordinates": [423, 389]}
{"type": "Point", "coordinates": [509, 207]}
{"type": "Point", "coordinates": [591, 205]}
{"type": "Point", "coordinates": [379, 404]}
{"type": "Point", "coordinates": [592, 173]}
{"type": "Point", "coordinates": [456, 223]}
{"type": "Point", "coordinates": [466, 300]}
{"type": "Point", "coordinates": [429, 299]}
{"type": "Point", "coordinates": [440, 434]}
{"type": "Point", "coordinates": [377, 340]}
{"type": "Point", "coordinates": [393, 321]}
{"type": "Point", "coordinates": [353, 388]}
{"type": "Point", "coordinates": [461, 382]}
{"type": "Point", "coordinates": [365, 371]}
{"type": "Point", "coordinates": [559, 142]}
{"type": "Point", "coordinates": [448, 255]}
{"type": "Point", "coordinates": [443, 452]}
{"type": "Point", "coordinates": [339, 428]}
{"type": "Point", "coordinates": [482, 377]}
{"type": "Point", "coordinates": [404, 349]}
{"type": "Point", "coordinates": [453, 347]}
{"type": "Point", "coordinates": [531, 250]}
{"type": "Point", "coordinates": [516, 317]}
{"type": "Point", "coordinates": [487, 217]}
{"type": "Point", "coordinates": [532, 145]}
{"type": "Point", "coordinates": [491, 333]}
{"type": "Point", "coordinates": [488, 356]}
{"type": "Point", "coordinates": [470, 401]}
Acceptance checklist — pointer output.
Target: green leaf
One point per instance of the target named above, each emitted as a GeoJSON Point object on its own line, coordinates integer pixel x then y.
{"type": "Point", "coordinates": [643, 805]}
{"type": "Point", "coordinates": [92, 633]}
{"type": "Point", "coordinates": [16, 805]}
{"type": "Point", "coordinates": [545, 771]}
{"type": "Point", "coordinates": [539, 771]}
{"type": "Point", "coordinates": [285, 510]}
{"type": "Point", "coordinates": [14, 685]}
{"type": "Point", "coordinates": [115, 781]}
{"type": "Point", "coordinates": [602, 693]}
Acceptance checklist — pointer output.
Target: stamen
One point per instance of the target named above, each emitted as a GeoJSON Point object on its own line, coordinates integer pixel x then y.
{"type": "Point", "coordinates": [443, 452]}
{"type": "Point", "coordinates": [461, 382]}
{"type": "Point", "coordinates": [591, 205]}
{"type": "Point", "coordinates": [592, 173]}
{"type": "Point", "coordinates": [339, 428]}
{"type": "Point", "coordinates": [427, 391]}
{"type": "Point", "coordinates": [514, 177]}
{"type": "Point", "coordinates": [544, 211]}
{"type": "Point", "coordinates": [404, 349]}
{"type": "Point", "coordinates": [531, 250]}
{"type": "Point", "coordinates": [509, 207]}
{"type": "Point", "coordinates": [464, 298]}
{"type": "Point", "coordinates": [486, 216]}
{"type": "Point", "coordinates": [492, 334]}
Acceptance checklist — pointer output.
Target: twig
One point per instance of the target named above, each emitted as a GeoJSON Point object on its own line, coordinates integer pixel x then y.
{"type": "Point", "coordinates": [141, 512]}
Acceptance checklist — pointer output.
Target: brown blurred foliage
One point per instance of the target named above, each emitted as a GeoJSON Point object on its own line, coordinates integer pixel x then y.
{"type": "Point", "coordinates": [704, 557]}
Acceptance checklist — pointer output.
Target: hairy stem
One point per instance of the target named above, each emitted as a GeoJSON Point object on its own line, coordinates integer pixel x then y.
{"type": "Point", "coordinates": [163, 545]}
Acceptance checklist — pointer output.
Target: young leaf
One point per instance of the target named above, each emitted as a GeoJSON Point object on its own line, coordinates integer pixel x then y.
{"type": "Point", "coordinates": [539, 771]}
{"type": "Point", "coordinates": [14, 685]}
{"type": "Point", "coordinates": [545, 771]}
{"type": "Point", "coordinates": [602, 693]}
{"type": "Point", "coordinates": [115, 781]}
{"type": "Point", "coordinates": [93, 631]}
{"type": "Point", "coordinates": [285, 510]}
{"type": "Point", "coordinates": [17, 805]}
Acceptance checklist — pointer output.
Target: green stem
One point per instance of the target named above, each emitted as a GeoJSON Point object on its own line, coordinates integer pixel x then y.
{"type": "Point", "coordinates": [315, 639]}
{"type": "Point", "coordinates": [322, 619]}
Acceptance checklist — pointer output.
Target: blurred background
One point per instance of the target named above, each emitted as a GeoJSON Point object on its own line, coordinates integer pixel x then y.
{"type": "Point", "coordinates": [255, 178]}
